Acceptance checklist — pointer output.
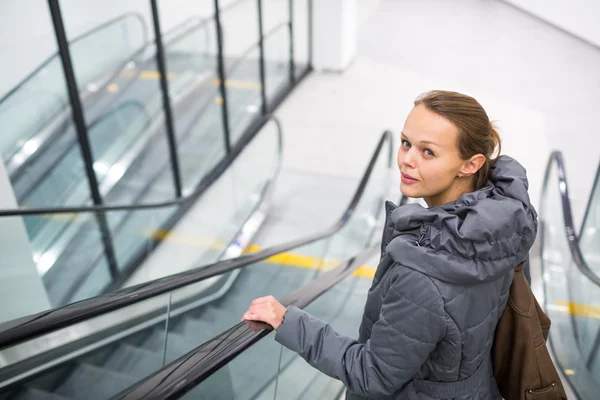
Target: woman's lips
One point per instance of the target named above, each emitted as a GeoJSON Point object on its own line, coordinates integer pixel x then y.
{"type": "Point", "coordinates": [407, 179]}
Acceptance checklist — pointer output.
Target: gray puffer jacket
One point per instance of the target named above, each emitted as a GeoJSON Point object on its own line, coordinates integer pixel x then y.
{"type": "Point", "coordinates": [439, 290]}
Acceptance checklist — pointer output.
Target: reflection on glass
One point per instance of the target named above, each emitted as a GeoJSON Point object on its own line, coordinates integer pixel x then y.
{"type": "Point", "coordinates": [277, 61]}
{"type": "Point", "coordinates": [243, 92]}
{"type": "Point", "coordinates": [364, 227]}
{"type": "Point", "coordinates": [132, 347]}
{"type": "Point", "coordinates": [342, 308]}
{"type": "Point", "coordinates": [245, 376]}
{"type": "Point", "coordinates": [586, 293]}
{"type": "Point", "coordinates": [65, 268]}
{"type": "Point", "coordinates": [41, 102]}
{"type": "Point", "coordinates": [300, 24]}
{"type": "Point", "coordinates": [589, 240]}
{"type": "Point", "coordinates": [564, 294]}
{"type": "Point", "coordinates": [203, 145]}
{"type": "Point", "coordinates": [241, 55]}
{"type": "Point", "coordinates": [205, 310]}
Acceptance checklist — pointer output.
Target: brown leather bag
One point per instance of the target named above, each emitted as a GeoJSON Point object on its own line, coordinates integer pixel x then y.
{"type": "Point", "coordinates": [522, 365]}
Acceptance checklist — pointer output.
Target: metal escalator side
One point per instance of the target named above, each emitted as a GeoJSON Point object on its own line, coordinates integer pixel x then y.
{"type": "Point", "coordinates": [571, 283]}
{"type": "Point", "coordinates": [133, 332]}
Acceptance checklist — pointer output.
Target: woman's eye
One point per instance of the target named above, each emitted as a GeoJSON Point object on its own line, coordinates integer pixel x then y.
{"type": "Point", "coordinates": [428, 152]}
{"type": "Point", "coordinates": [405, 143]}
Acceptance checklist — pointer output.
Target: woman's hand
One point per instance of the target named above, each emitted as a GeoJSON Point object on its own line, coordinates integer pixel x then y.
{"type": "Point", "coordinates": [266, 309]}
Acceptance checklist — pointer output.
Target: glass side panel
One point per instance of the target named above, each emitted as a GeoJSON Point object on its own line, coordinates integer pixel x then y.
{"type": "Point", "coordinates": [276, 17]}
{"type": "Point", "coordinates": [342, 308]}
{"type": "Point", "coordinates": [199, 120]}
{"type": "Point", "coordinates": [586, 293]}
{"type": "Point", "coordinates": [565, 296]}
{"type": "Point", "coordinates": [158, 241]}
{"type": "Point", "coordinates": [135, 346]}
{"type": "Point", "coordinates": [241, 58]}
{"type": "Point", "coordinates": [277, 61]}
{"type": "Point", "coordinates": [98, 358]}
{"type": "Point", "coordinates": [196, 318]}
{"type": "Point", "coordinates": [65, 268]}
{"type": "Point", "coordinates": [275, 13]}
{"type": "Point", "coordinates": [245, 377]}
{"type": "Point", "coordinates": [210, 224]}
{"type": "Point", "coordinates": [589, 239]}
{"type": "Point", "coordinates": [243, 87]}
{"type": "Point", "coordinates": [300, 24]}
{"type": "Point", "coordinates": [132, 349]}
{"type": "Point", "coordinates": [39, 104]}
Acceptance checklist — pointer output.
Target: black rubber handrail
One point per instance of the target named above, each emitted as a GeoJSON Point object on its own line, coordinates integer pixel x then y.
{"type": "Point", "coordinates": [26, 328]}
{"type": "Point", "coordinates": [571, 234]}
{"type": "Point", "coordinates": [187, 372]}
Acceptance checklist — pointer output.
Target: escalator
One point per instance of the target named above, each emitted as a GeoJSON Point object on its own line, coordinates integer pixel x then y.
{"type": "Point", "coordinates": [571, 280]}
{"type": "Point", "coordinates": [235, 363]}
{"type": "Point", "coordinates": [98, 347]}
{"type": "Point", "coordinates": [128, 138]}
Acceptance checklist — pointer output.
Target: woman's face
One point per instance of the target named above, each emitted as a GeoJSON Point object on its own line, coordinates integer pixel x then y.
{"type": "Point", "coordinates": [429, 159]}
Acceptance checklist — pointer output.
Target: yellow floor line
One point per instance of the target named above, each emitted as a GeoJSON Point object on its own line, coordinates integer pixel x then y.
{"type": "Point", "coordinates": [309, 262]}
{"type": "Point", "coordinates": [579, 309]}
{"type": "Point", "coordinates": [237, 84]}
{"type": "Point", "coordinates": [155, 75]}
{"type": "Point", "coordinates": [288, 259]}
{"type": "Point", "coordinates": [250, 85]}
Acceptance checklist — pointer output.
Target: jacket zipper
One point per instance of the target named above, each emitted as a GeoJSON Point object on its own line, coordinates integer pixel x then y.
{"type": "Point", "coordinates": [418, 242]}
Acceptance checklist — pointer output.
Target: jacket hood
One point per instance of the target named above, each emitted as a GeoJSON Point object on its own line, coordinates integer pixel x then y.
{"type": "Point", "coordinates": [478, 238]}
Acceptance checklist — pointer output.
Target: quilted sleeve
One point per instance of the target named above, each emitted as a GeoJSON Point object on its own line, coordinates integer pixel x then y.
{"type": "Point", "coordinates": [410, 325]}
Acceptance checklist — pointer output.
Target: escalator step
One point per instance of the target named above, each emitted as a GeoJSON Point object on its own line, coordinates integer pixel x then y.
{"type": "Point", "coordinates": [135, 361]}
{"type": "Point", "coordinates": [91, 382]}
{"type": "Point", "coordinates": [199, 330]}
{"type": "Point", "coordinates": [36, 394]}
{"type": "Point", "coordinates": [177, 344]}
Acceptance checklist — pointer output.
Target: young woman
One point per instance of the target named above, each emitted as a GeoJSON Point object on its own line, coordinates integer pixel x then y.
{"type": "Point", "coordinates": [445, 272]}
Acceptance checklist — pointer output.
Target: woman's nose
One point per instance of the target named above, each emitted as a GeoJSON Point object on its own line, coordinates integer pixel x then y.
{"type": "Point", "coordinates": [409, 159]}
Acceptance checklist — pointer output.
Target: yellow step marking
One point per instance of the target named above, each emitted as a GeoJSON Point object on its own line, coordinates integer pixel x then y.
{"type": "Point", "coordinates": [232, 83]}
{"type": "Point", "coordinates": [155, 75]}
{"type": "Point", "coordinates": [309, 262]}
{"type": "Point", "coordinates": [579, 309]}
{"type": "Point", "coordinates": [289, 259]}
{"type": "Point", "coordinates": [219, 100]}
{"type": "Point", "coordinates": [113, 88]}
{"type": "Point", "coordinates": [239, 84]}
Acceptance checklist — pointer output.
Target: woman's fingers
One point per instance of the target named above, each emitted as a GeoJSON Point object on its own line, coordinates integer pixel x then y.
{"type": "Point", "coordinates": [266, 309]}
{"type": "Point", "coordinates": [265, 299]}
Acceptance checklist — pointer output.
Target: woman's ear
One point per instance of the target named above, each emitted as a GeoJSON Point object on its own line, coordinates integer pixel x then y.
{"type": "Point", "coordinates": [472, 165]}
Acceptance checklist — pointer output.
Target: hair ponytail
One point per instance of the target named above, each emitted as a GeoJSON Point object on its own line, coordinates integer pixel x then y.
{"type": "Point", "coordinates": [496, 143]}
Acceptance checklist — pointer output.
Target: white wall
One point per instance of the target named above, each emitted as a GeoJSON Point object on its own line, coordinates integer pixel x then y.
{"type": "Point", "coordinates": [579, 17]}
